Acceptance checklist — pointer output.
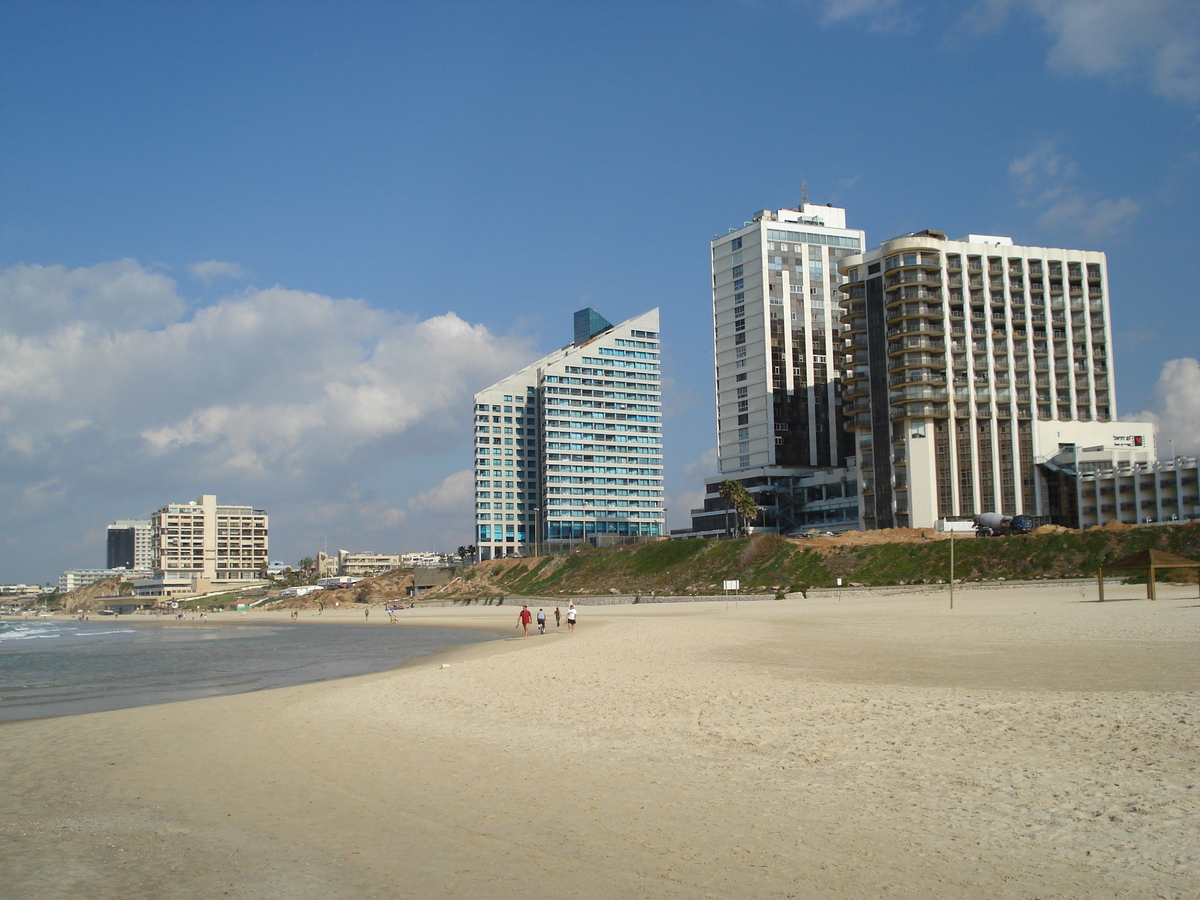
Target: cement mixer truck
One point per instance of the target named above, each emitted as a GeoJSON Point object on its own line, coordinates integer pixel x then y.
{"type": "Point", "coordinates": [995, 524]}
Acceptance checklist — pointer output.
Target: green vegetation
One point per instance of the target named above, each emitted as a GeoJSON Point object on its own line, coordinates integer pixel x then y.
{"type": "Point", "coordinates": [770, 564]}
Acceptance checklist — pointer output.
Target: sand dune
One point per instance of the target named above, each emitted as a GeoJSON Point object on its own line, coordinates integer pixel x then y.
{"type": "Point", "coordinates": [1028, 744]}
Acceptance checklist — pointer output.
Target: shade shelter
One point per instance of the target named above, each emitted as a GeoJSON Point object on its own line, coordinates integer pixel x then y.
{"type": "Point", "coordinates": [1148, 561]}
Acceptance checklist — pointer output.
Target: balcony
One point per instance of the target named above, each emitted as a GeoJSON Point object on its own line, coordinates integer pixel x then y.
{"type": "Point", "coordinates": [912, 277]}
{"type": "Point", "coordinates": [913, 376]}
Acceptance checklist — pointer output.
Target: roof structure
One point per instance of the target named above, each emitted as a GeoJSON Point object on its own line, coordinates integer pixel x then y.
{"type": "Point", "coordinates": [1148, 561]}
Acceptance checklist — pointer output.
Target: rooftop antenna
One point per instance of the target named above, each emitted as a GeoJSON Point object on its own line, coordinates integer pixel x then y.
{"type": "Point", "coordinates": [803, 194]}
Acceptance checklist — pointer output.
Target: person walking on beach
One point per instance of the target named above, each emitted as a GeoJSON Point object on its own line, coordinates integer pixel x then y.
{"type": "Point", "coordinates": [557, 617]}
{"type": "Point", "coordinates": [367, 614]}
{"type": "Point", "coordinates": [571, 617]}
{"type": "Point", "coordinates": [524, 619]}
{"type": "Point", "coordinates": [541, 620]}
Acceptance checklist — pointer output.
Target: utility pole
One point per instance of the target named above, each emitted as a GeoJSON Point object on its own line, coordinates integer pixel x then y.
{"type": "Point", "coordinates": [952, 568]}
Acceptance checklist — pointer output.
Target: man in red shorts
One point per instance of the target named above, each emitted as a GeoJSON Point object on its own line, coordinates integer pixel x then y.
{"type": "Point", "coordinates": [524, 619]}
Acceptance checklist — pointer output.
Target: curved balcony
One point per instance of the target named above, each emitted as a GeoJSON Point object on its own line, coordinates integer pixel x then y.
{"type": "Point", "coordinates": [900, 310]}
{"type": "Point", "coordinates": [854, 325]}
{"type": "Point", "coordinates": [917, 393]}
{"type": "Point", "coordinates": [917, 327]}
{"type": "Point", "coordinates": [855, 387]}
{"type": "Point", "coordinates": [914, 343]}
{"type": "Point", "coordinates": [916, 377]}
{"type": "Point", "coordinates": [921, 411]}
{"type": "Point", "coordinates": [911, 276]}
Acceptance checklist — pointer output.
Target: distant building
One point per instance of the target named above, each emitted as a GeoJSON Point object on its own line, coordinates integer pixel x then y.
{"type": "Point", "coordinates": [569, 448]}
{"type": "Point", "coordinates": [206, 542]}
{"type": "Point", "coordinates": [357, 565]}
{"type": "Point", "coordinates": [73, 579]}
{"type": "Point", "coordinates": [130, 544]}
{"type": "Point", "coordinates": [1134, 492]}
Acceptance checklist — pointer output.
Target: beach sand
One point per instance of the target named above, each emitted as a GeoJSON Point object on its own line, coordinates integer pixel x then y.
{"type": "Point", "coordinates": [1030, 743]}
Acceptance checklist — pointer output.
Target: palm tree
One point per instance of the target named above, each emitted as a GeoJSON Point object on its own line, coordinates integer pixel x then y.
{"type": "Point", "coordinates": [739, 500]}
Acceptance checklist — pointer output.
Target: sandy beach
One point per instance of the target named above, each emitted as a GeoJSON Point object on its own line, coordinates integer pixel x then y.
{"type": "Point", "coordinates": [1030, 743]}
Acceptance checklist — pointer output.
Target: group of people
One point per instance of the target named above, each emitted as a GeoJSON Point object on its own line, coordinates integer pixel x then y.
{"type": "Point", "coordinates": [525, 618]}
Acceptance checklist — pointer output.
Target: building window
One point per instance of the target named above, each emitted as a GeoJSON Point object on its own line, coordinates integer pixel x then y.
{"type": "Point", "coordinates": [735, 244]}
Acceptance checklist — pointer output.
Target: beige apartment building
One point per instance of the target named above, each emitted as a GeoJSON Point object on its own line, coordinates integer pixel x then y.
{"type": "Point", "coordinates": [204, 541]}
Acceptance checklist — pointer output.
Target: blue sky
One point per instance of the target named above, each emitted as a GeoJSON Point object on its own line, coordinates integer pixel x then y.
{"type": "Point", "coordinates": [270, 250]}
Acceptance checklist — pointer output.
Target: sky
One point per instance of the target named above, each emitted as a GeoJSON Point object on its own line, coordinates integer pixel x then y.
{"type": "Point", "coordinates": [269, 251]}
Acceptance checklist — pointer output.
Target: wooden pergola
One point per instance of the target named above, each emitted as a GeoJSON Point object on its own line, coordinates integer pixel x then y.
{"type": "Point", "coordinates": [1148, 561]}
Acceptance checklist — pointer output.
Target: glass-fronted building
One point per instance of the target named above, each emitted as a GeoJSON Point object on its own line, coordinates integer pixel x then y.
{"type": "Point", "coordinates": [569, 448]}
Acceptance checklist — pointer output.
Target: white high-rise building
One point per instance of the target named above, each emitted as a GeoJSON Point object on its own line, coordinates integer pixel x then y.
{"type": "Point", "coordinates": [972, 365]}
{"type": "Point", "coordinates": [777, 339]}
{"type": "Point", "coordinates": [569, 448]}
{"type": "Point", "coordinates": [778, 350]}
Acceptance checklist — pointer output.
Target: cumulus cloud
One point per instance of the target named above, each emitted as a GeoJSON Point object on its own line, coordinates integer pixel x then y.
{"type": "Point", "coordinates": [1176, 408]}
{"type": "Point", "coordinates": [1046, 181]}
{"type": "Point", "coordinates": [1158, 39]}
{"type": "Point", "coordinates": [111, 296]}
{"type": "Point", "coordinates": [215, 269]}
{"type": "Point", "coordinates": [115, 402]}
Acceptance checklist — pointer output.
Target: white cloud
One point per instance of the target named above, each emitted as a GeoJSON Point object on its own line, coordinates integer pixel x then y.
{"type": "Point", "coordinates": [114, 403]}
{"type": "Point", "coordinates": [120, 295]}
{"type": "Point", "coordinates": [456, 492]}
{"type": "Point", "coordinates": [215, 269]}
{"type": "Point", "coordinates": [1154, 40]}
{"type": "Point", "coordinates": [1045, 181]}
{"type": "Point", "coordinates": [1176, 408]}
{"type": "Point", "coordinates": [881, 15]}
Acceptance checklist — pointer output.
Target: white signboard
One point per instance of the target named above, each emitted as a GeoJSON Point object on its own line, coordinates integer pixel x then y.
{"type": "Point", "coordinates": [733, 585]}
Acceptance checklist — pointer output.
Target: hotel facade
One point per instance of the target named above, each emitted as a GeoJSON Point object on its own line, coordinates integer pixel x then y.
{"type": "Point", "coordinates": [971, 365]}
{"type": "Point", "coordinates": [569, 448]}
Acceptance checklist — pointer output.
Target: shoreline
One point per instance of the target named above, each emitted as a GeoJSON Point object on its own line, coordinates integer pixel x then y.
{"type": "Point", "coordinates": [1027, 744]}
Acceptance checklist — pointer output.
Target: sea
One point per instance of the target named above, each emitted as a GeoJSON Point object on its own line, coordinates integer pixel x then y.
{"type": "Point", "coordinates": [63, 668]}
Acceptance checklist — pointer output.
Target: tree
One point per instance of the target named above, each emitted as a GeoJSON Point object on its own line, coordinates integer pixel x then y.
{"type": "Point", "coordinates": [307, 565]}
{"type": "Point", "coordinates": [739, 500]}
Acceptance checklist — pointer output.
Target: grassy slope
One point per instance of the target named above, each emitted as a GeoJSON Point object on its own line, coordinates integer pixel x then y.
{"type": "Point", "coordinates": [770, 563]}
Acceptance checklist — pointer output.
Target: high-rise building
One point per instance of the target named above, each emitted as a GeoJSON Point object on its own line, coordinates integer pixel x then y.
{"type": "Point", "coordinates": [569, 448]}
{"type": "Point", "coordinates": [778, 351]}
{"type": "Point", "coordinates": [202, 541]}
{"type": "Point", "coordinates": [777, 339]}
{"type": "Point", "coordinates": [971, 365]}
{"type": "Point", "coordinates": [130, 544]}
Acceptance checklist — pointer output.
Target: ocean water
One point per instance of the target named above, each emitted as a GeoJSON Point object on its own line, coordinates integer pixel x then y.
{"type": "Point", "coordinates": [54, 668]}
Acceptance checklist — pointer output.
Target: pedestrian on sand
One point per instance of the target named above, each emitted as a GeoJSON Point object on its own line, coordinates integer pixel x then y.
{"type": "Point", "coordinates": [557, 617]}
{"type": "Point", "coordinates": [524, 619]}
{"type": "Point", "coordinates": [541, 620]}
{"type": "Point", "coordinates": [367, 614]}
{"type": "Point", "coordinates": [571, 617]}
